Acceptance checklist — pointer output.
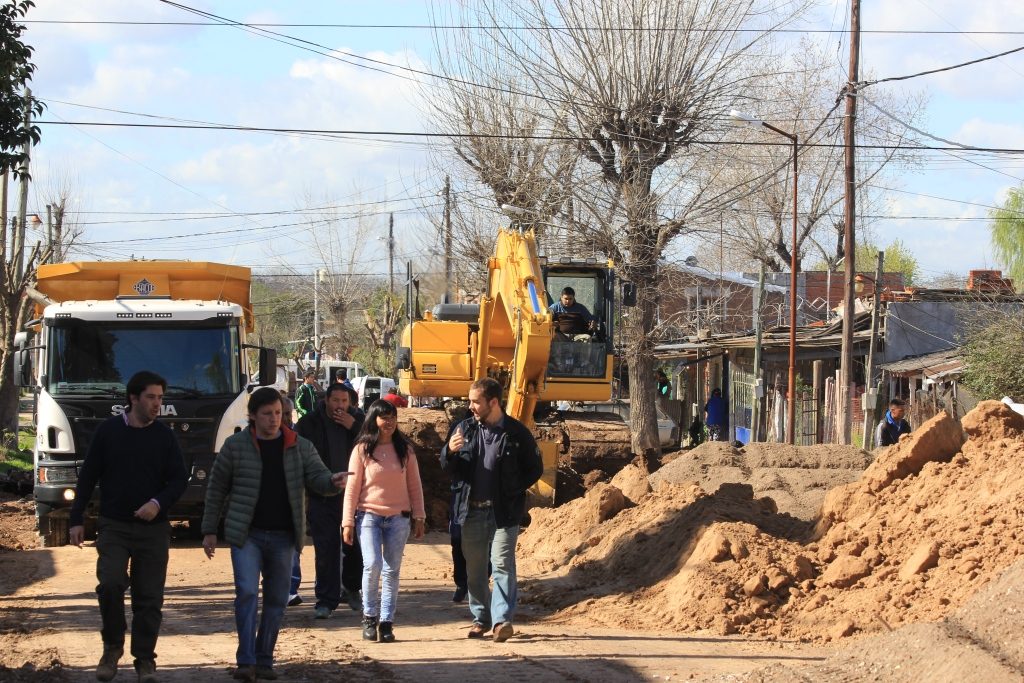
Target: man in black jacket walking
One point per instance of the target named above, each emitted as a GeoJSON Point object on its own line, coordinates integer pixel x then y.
{"type": "Point", "coordinates": [137, 462]}
{"type": "Point", "coordinates": [332, 428]}
{"type": "Point", "coordinates": [496, 459]}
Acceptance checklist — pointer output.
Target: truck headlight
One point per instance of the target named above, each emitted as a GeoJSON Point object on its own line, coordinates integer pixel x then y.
{"type": "Point", "coordinates": [69, 495]}
{"type": "Point", "coordinates": [57, 475]}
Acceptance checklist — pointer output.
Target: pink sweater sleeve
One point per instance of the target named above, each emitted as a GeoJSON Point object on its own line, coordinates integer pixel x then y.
{"type": "Point", "coordinates": [354, 486]}
{"type": "Point", "coordinates": [412, 480]}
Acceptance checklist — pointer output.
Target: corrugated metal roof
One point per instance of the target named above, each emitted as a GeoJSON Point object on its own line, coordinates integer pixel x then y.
{"type": "Point", "coordinates": [822, 336]}
{"type": "Point", "coordinates": [934, 365]}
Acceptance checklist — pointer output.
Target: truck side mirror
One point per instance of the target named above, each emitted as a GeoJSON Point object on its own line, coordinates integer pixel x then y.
{"type": "Point", "coordinates": [22, 361]}
{"type": "Point", "coordinates": [268, 367]}
{"type": "Point", "coordinates": [23, 368]}
{"type": "Point", "coordinates": [628, 294]}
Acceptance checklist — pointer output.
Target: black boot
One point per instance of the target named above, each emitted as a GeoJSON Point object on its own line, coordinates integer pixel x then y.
{"type": "Point", "coordinates": [384, 632]}
{"type": "Point", "coordinates": [369, 628]}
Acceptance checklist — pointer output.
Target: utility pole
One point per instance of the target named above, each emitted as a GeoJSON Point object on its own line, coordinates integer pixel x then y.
{"type": "Point", "coordinates": [721, 272]}
{"type": "Point", "coordinates": [447, 239]}
{"type": "Point", "coordinates": [844, 404]}
{"type": "Point", "coordinates": [755, 431]}
{"type": "Point", "coordinates": [52, 258]}
{"type": "Point", "coordinates": [19, 236]}
{"type": "Point", "coordinates": [391, 253]}
{"type": "Point", "coordinates": [869, 380]}
{"type": "Point", "coordinates": [58, 233]}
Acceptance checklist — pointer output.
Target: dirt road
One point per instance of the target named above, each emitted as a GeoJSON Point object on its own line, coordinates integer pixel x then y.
{"type": "Point", "coordinates": [49, 631]}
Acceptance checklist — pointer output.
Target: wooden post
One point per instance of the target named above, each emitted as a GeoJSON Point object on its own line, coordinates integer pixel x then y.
{"type": "Point", "coordinates": [819, 402]}
{"type": "Point", "coordinates": [845, 412]}
{"type": "Point", "coordinates": [758, 305]}
{"type": "Point", "coordinates": [869, 370]}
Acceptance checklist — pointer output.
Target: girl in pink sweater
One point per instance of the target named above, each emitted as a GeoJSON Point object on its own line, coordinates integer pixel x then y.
{"type": "Point", "coordinates": [383, 498]}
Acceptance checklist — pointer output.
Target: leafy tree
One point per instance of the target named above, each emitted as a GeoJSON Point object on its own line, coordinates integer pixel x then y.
{"type": "Point", "coordinates": [15, 131]}
{"type": "Point", "coordinates": [990, 372]}
{"type": "Point", "coordinates": [1008, 234]}
{"type": "Point", "coordinates": [898, 259]}
{"type": "Point", "coordinates": [15, 72]}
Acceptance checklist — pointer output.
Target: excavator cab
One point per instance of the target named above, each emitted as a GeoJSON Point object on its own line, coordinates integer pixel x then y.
{"type": "Point", "coordinates": [580, 347]}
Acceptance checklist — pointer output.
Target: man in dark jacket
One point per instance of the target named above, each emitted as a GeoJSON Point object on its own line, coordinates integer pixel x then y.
{"type": "Point", "coordinates": [892, 426]}
{"type": "Point", "coordinates": [496, 459]}
{"type": "Point", "coordinates": [332, 428]}
{"type": "Point", "coordinates": [138, 463]}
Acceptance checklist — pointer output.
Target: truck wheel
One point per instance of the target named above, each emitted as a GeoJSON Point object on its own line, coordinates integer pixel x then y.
{"type": "Point", "coordinates": [53, 530]}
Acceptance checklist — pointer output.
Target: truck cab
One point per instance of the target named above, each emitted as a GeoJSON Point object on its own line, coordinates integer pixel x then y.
{"type": "Point", "coordinates": [80, 354]}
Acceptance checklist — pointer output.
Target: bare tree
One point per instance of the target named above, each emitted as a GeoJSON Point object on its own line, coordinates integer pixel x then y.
{"type": "Point", "coordinates": [637, 87]}
{"type": "Point", "coordinates": [798, 95]}
{"type": "Point", "coordinates": [339, 277]}
{"type": "Point", "coordinates": [383, 316]}
{"type": "Point", "coordinates": [17, 276]}
{"type": "Point", "coordinates": [62, 223]}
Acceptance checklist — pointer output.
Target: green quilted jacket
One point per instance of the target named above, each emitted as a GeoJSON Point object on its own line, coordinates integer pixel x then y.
{"type": "Point", "coordinates": [234, 485]}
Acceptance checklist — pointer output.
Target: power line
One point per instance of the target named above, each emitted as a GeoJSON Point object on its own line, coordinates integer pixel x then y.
{"type": "Point", "coordinates": [499, 136]}
{"type": "Point", "coordinates": [498, 27]}
{"type": "Point", "coordinates": [864, 84]}
{"type": "Point", "coordinates": [332, 53]}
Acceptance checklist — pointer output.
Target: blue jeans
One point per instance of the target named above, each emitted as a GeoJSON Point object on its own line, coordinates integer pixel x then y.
{"type": "Point", "coordinates": [293, 589]}
{"type": "Point", "coordinates": [269, 553]}
{"type": "Point", "coordinates": [382, 540]}
{"type": "Point", "coordinates": [483, 540]}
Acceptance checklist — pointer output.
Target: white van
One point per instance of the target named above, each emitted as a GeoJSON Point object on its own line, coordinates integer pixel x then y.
{"type": "Point", "coordinates": [371, 388]}
{"type": "Point", "coordinates": [328, 368]}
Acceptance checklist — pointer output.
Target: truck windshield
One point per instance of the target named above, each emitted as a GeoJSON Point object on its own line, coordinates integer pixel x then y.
{"type": "Point", "coordinates": [88, 358]}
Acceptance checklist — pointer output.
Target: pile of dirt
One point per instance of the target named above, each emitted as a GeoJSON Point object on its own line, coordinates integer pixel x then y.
{"type": "Point", "coordinates": [17, 523]}
{"type": "Point", "coordinates": [31, 670]}
{"type": "Point", "coordinates": [427, 429]}
{"type": "Point", "coordinates": [978, 642]}
{"type": "Point", "coordinates": [795, 477]}
{"type": "Point", "coordinates": [930, 522]}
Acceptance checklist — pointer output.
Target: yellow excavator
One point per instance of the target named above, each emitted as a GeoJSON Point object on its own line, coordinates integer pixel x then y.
{"type": "Point", "coordinates": [539, 358]}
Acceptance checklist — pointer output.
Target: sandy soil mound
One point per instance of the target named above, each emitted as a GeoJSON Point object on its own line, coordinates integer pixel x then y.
{"type": "Point", "coordinates": [427, 428]}
{"type": "Point", "coordinates": [795, 477]}
{"type": "Point", "coordinates": [924, 528]}
{"type": "Point", "coordinates": [34, 667]}
{"type": "Point", "coordinates": [17, 523]}
{"type": "Point", "coordinates": [979, 642]}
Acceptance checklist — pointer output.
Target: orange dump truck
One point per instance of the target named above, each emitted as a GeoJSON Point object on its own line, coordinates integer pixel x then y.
{"type": "Point", "coordinates": [95, 325]}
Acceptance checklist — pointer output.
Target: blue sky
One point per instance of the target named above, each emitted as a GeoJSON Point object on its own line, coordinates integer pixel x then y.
{"type": "Point", "coordinates": [225, 75]}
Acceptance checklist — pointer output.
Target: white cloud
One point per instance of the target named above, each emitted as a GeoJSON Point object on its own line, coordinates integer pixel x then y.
{"type": "Point", "coordinates": [981, 133]}
{"type": "Point", "coordinates": [886, 55]}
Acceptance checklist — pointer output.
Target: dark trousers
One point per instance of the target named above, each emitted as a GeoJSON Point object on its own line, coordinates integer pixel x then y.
{"type": "Point", "coordinates": [144, 548]}
{"type": "Point", "coordinates": [338, 565]}
{"type": "Point", "coordinates": [458, 559]}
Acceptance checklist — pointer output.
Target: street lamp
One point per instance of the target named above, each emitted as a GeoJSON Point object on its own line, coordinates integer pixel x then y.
{"type": "Point", "coordinates": [791, 390]}
{"type": "Point", "coordinates": [859, 281]}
